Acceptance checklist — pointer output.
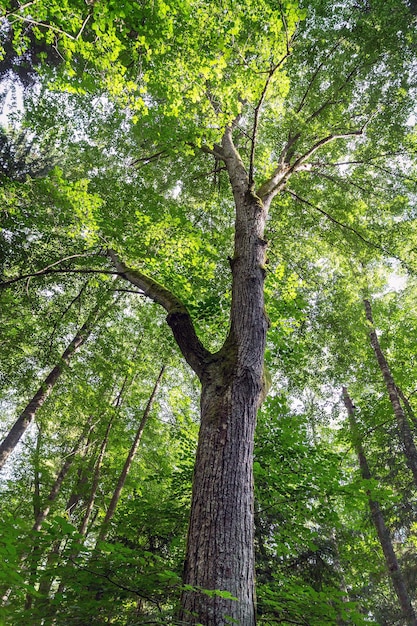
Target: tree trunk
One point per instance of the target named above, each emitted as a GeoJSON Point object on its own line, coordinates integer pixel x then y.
{"type": "Point", "coordinates": [43, 513]}
{"type": "Point", "coordinates": [383, 534]}
{"type": "Point", "coordinates": [408, 407]}
{"type": "Point", "coordinates": [28, 414]}
{"type": "Point", "coordinates": [95, 483]}
{"type": "Point", "coordinates": [220, 550]}
{"type": "Point", "coordinates": [220, 545]}
{"type": "Point", "coordinates": [129, 460]}
{"type": "Point", "coordinates": [56, 487]}
{"type": "Point", "coordinates": [406, 436]}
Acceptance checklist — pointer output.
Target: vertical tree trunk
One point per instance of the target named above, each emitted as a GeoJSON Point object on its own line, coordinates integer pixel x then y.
{"type": "Point", "coordinates": [26, 417]}
{"type": "Point", "coordinates": [406, 436]}
{"type": "Point", "coordinates": [129, 460]}
{"type": "Point", "coordinates": [393, 567]}
{"type": "Point", "coordinates": [36, 478]}
{"type": "Point", "coordinates": [94, 485]}
{"type": "Point", "coordinates": [55, 489]}
{"type": "Point", "coordinates": [43, 513]}
{"type": "Point", "coordinates": [220, 545]}
{"type": "Point", "coordinates": [46, 582]}
{"type": "Point", "coordinates": [96, 479]}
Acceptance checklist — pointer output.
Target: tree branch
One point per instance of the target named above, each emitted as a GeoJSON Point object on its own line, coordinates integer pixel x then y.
{"type": "Point", "coordinates": [323, 142]}
{"type": "Point", "coordinates": [282, 173]}
{"type": "Point", "coordinates": [258, 107]}
{"type": "Point", "coordinates": [314, 76]}
{"type": "Point", "coordinates": [44, 272]}
{"type": "Point", "coordinates": [178, 317]}
{"type": "Point", "coordinates": [51, 27]}
{"type": "Point", "coordinates": [148, 159]}
{"type": "Point", "coordinates": [237, 172]}
{"type": "Point", "coordinates": [334, 220]}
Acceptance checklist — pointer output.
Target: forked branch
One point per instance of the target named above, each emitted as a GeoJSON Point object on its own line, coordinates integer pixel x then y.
{"type": "Point", "coordinates": [282, 173]}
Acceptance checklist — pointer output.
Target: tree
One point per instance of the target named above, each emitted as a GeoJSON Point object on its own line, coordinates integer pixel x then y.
{"type": "Point", "coordinates": [379, 522]}
{"type": "Point", "coordinates": [241, 90]}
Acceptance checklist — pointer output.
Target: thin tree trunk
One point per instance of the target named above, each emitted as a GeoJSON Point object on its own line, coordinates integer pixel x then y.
{"type": "Point", "coordinates": [55, 489]}
{"type": "Point", "coordinates": [408, 407]}
{"type": "Point", "coordinates": [26, 417]}
{"type": "Point", "coordinates": [96, 478]}
{"type": "Point", "coordinates": [129, 460]}
{"type": "Point", "coordinates": [46, 582]}
{"type": "Point", "coordinates": [36, 472]}
{"type": "Point", "coordinates": [406, 436]}
{"type": "Point", "coordinates": [53, 556]}
{"type": "Point", "coordinates": [43, 513]}
{"type": "Point", "coordinates": [391, 561]}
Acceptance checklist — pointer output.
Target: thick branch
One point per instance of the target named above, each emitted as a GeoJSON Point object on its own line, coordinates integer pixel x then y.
{"type": "Point", "coordinates": [178, 317]}
{"type": "Point", "coordinates": [238, 175]}
{"type": "Point", "coordinates": [323, 142]}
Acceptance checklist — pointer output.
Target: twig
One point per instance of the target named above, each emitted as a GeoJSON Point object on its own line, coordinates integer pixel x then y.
{"type": "Point", "coordinates": [6, 283]}
{"type": "Point", "coordinates": [55, 29]}
{"type": "Point", "coordinates": [333, 219]}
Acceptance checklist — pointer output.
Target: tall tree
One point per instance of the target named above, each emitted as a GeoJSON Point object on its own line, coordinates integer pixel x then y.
{"type": "Point", "coordinates": [280, 99]}
{"type": "Point", "coordinates": [405, 432]}
{"type": "Point", "coordinates": [28, 414]}
{"type": "Point", "coordinates": [379, 522]}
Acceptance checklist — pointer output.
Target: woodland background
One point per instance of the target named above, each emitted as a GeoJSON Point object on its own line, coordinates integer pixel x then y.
{"type": "Point", "coordinates": [110, 114]}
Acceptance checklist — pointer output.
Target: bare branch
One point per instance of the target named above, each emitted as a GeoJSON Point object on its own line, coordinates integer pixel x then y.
{"type": "Point", "coordinates": [45, 272]}
{"type": "Point", "coordinates": [334, 220]}
{"type": "Point", "coordinates": [55, 29]}
{"type": "Point", "coordinates": [77, 298]}
{"type": "Point", "coordinates": [313, 78]}
{"type": "Point", "coordinates": [258, 107]}
{"type": "Point", "coordinates": [148, 159]}
{"type": "Point", "coordinates": [322, 142]}
{"type": "Point", "coordinates": [178, 317]}
{"type": "Point", "coordinates": [284, 170]}
{"type": "Point", "coordinates": [372, 244]}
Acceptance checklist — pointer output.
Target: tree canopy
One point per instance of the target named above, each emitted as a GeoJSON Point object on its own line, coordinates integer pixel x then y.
{"type": "Point", "coordinates": [249, 171]}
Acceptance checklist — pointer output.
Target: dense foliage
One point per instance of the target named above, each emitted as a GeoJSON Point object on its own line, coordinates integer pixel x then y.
{"type": "Point", "coordinates": [112, 117]}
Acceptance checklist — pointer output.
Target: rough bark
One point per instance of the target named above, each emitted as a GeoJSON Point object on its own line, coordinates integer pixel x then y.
{"type": "Point", "coordinates": [406, 436]}
{"type": "Point", "coordinates": [129, 460]}
{"type": "Point", "coordinates": [391, 561]}
{"type": "Point", "coordinates": [28, 414]}
{"type": "Point", "coordinates": [220, 545]}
